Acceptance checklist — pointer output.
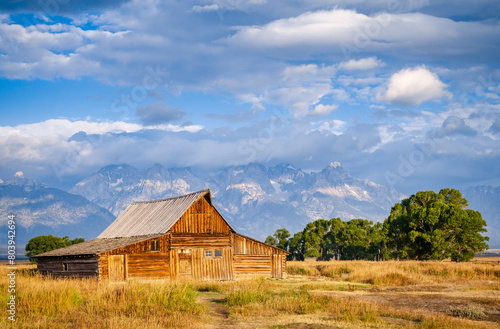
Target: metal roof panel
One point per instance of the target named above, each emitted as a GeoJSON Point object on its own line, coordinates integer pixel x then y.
{"type": "Point", "coordinates": [151, 217]}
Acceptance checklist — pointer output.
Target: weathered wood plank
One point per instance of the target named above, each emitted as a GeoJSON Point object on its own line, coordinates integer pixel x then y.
{"type": "Point", "coordinates": [201, 217]}
{"type": "Point", "coordinates": [116, 268]}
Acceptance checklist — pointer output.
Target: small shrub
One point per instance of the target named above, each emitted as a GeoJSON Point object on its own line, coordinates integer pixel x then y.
{"type": "Point", "coordinates": [473, 312]}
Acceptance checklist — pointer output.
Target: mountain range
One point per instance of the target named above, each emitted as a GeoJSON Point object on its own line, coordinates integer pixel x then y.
{"type": "Point", "coordinates": [254, 199]}
{"type": "Point", "coordinates": [41, 210]}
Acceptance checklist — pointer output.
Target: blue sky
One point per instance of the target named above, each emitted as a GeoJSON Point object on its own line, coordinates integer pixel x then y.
{"type": "Point", "coordinates": [405, 93]}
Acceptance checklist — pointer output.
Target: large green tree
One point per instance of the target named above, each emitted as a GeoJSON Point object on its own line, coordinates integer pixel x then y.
{"type": "Point", "coordinates": [360, 239]}
{"type": "Point", "coordinates": [314, 239]}
{"type": "Point", "coordinates": [296, 247]}
{"type": "Point", "coordinates": [282, 236]}
{"type": "Point", "coordinates": [271, 240]}
{"type": "Point", "coordinates": [44, 243]}
{"type": "Point", "coordinates": [435, 226]}
{"type": "Point", "coordinates": [333, 237]}
{"type": "Point", "coordinates": [279, 239]}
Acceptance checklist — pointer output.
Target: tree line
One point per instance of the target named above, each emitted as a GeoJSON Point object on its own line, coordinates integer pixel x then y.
{"type": "Point", "coordinates": [425, 226]}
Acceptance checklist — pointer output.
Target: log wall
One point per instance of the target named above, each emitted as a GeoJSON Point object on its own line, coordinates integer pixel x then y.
{"type": "Point", "coordinates": [251, 265]}
{"type": "Point", "coordinates": [254, 258]}
{"type": "Point", "coordinates": [76, 266]}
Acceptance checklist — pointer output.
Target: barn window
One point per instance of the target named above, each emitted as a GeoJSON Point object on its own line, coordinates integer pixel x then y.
{"type": "Point", "coordinates": [65, 266]}
{"type": "Point", "coordinates": [218, 253]}
{"type": "Point", "coordinates": [155, 245]}
{"type": "Point", "coordinates": [208, 253]}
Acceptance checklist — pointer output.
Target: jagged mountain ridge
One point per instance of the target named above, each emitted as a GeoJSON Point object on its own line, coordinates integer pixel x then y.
{"type": "Point", "coordinates": [255, 200]}
{"type": "Point", "coordinates": [114, 187]}
{"type": "Point", "coordinates": [41, 210]}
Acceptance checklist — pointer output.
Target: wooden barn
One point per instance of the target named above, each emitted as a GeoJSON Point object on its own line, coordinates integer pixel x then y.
{"type": "Point", "coordinates": [182, 237]}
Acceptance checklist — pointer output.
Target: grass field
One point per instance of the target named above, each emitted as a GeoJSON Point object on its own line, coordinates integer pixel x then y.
{"type": "Point", "coordinates": [344, 294]}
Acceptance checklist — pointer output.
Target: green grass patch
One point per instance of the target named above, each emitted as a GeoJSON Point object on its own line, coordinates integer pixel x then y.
{"type": "Point", "coordinates": [243, 297]}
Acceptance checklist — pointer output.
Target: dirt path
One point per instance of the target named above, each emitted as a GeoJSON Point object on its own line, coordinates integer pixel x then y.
{"type": "Point", "coordinates": [220, 317]}
{"type": "Point", "coordinates": [219, 313]}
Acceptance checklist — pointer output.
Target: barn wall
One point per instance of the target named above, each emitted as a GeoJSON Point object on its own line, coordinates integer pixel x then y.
{"type": "Point", "coordinates": [188, 258]}
{"type": "Point", "coordinates": [140, 261]}
{"type": "Point", "coordinates": [200, 241]}
{"type": "Point", "coordinates": [154, 265]}
{"type": "Point", "coordinates": [199, 229]}
{"type": "Point", "coordinates": [213, 268]}
{"type": "Point", "coordinates": [77, 266]}
{"type": "Point", "coordinates": [201, 218]}
{"type": "Point", "coordinates": [252, 265]}
{"type": "Point", "coordinates": [246, 246]}
{"type": "Point", "coordinates": [254, 258]}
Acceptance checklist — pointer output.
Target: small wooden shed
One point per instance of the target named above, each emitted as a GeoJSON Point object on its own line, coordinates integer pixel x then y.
{"type": "Point", "coordinates": [181, 237]}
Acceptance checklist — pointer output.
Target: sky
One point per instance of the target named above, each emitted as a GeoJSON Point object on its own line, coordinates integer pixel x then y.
{"type": "Point", "coordinates": [404, 93]}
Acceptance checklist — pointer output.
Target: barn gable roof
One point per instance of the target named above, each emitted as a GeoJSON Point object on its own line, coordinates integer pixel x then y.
{"type": "Point", "coordinates": [152, 217]}
{"type": "Point", "coordinates": [96, 246]}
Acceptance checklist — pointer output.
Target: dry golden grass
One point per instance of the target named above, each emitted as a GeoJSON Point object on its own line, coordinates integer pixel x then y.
{"type": "Point", "coordinates": [43, 302]}
{"type": "Point", "coordinates": [347, 294]}
{"type": "Point", "coordinates": [487, 259]}
{"type": "Point", "coordinates": [399, 273]}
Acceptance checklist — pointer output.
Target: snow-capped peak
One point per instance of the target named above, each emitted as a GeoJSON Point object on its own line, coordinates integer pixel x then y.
{"type": "Point", "coordinates": [335, 164]}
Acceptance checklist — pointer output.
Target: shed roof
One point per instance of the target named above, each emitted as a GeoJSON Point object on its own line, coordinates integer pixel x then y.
{"type": "Point", "coordinates": [152, 217]}
{"type": "Point", "coordinates": [96, 246]}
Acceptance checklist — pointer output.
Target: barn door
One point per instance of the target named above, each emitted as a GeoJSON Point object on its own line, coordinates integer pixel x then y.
{"type": "Point", "coordinates": [277, 266]}
{"type": "Point", "coordinates": [185, 264]}
{"type": "Point", "coordinates": [116, 267]}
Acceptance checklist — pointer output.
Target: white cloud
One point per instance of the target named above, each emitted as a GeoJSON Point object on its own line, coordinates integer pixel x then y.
{"type": "Point", "coordinates": [52, 51]}
{"type": "Point", "coordinates": [332, 126]}
{"type": "Point", "coordinates": [307, 73]}
{"type": "Point", "coordinates": [412, 86]}
{"type": "Point", "coordinates": [298, 99]}
{"type": "Point", "coordinates": [361, 64]}
{"type": "Point", "coordinates": [65, 128]}
{"type": "Point", "coordinates": [311, 28]}
{"type": "Point", "coordinates": [402, 35]}
{"type": "Point", "coordinates": [199, 9]}
{"type": "Point", "coordinates": [321, 109]}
